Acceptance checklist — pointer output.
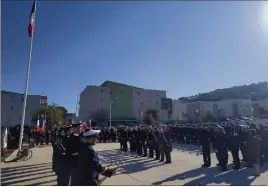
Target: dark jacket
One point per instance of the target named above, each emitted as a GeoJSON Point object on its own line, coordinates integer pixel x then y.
{"type": "Point", "coordinates": [89, 166]}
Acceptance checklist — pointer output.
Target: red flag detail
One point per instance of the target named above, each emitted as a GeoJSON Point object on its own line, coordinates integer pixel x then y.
{"type": "Point", "coordinates": [31, 21]}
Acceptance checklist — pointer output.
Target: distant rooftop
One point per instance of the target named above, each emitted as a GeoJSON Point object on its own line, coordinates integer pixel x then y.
{"type": "Point", "coordinates": [8, 92]}
{"type": "Point", "coordinates": [112, 82]}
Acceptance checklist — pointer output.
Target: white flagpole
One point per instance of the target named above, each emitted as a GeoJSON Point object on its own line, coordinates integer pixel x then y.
{"type": "Point", "coordinates": [27, 84]}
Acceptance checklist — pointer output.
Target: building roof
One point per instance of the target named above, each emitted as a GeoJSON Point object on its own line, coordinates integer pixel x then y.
{"type": "Point", "coordinates": [112, 82]}
{"type": "Point", "coordinates": [8, 92]}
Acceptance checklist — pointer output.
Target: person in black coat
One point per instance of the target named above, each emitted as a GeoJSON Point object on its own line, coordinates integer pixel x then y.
{"type": "Point", "coordinates": [63, 169]}
{"type": "Point", "coordinates": [155, 142]}
{"type": "Point", "coordinates": [164, 145]}
{"type": "Point", "coordinates": [72, 148]}
{"type": "Point", "coordinates": [221, 143]}
{"type": "Point", "coordinates": [204, 140]}
{"type": "Point", "coordinates": [234, 142]}
{"type": "Point", "coordinates": [89, 166]}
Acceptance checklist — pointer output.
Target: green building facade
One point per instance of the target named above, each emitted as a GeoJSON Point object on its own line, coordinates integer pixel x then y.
{"type": "Point", "coordinates": [121, 96]}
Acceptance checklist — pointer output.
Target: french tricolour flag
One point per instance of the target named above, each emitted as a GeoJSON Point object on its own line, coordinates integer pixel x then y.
{"type": "Point", "coordinates": [31, 21]}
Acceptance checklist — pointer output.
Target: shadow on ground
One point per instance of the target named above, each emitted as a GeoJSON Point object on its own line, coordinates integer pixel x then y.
{"type": "Point", "coordinates": [212, 176]}
{"type": "Point", "coordinates": [30, 173]}
{"type": "Point", "coordinates": [129, 163]}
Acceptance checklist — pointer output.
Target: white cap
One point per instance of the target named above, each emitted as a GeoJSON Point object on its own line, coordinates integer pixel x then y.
{"type": "Point", "coordinates": [91, 133]}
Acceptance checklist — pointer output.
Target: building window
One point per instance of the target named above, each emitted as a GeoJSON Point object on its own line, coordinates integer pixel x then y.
{"type": "Point", "coordinates": [12, 108]}
{"type": "Point", "coordinates": [101, 90]}
{"type": "Point", "coordinates": [149, 101]}
{"type": "Point", "coordinates": [138, 93]}
{"type": "Point", "coordinates": [157, 94]}
{"type": "Point", "coordinates": [101, 99]}
{"type": "Point", "coordinates": [121, 91]}
{"type": "Point", "coordinates": [20, 117]}
{"type": "Point", "coordinates": [22, 99]}
{"type": "Point", "coordinates": [157, 103]}
{"type": "Point", "coordinates": [111, 93]}
{"type": "Point", "coordinates": [141, 103]}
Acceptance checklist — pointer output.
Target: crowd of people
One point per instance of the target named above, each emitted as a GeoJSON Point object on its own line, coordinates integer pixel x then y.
{"type": "Point", "coordinates": [74, 157]}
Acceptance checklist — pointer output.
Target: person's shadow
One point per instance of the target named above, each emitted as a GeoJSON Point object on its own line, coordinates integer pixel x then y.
{"type": "Point", "coordinates": [213, 177]}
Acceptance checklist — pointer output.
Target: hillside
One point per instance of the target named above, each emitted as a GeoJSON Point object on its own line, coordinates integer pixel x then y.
{"type": "Point", "coordinates": [256, 91]}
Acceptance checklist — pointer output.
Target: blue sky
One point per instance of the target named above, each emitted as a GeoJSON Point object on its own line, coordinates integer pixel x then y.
{"type": "Point", "coordinates": [183, 47]}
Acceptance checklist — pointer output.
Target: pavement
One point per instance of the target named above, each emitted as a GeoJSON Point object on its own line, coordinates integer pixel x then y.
{"type": "Point", "coordinates": [184, 170]}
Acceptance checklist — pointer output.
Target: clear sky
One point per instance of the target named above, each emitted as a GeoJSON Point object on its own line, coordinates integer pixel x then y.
{"type": "Point", "coordinates": [183, 47]}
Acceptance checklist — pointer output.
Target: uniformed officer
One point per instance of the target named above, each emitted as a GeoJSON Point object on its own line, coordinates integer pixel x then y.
{"type": "Point", "coordinates": [72, 151]}
{"type": "Point", "coordinates": [63, 169]}
{"type": "Point", "coordinates": [89, 166]}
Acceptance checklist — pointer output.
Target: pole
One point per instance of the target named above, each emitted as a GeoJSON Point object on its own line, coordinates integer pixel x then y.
{"type": "Point", "coordinates": [111, 114]}
{"type": "Point", "coordinates": [26, 84]}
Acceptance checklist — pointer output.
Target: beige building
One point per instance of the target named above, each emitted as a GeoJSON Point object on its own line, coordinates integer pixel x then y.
{"type": "Point", "coordinates": [179, 109]}
{"type": "Point", "coordinates": [224, 108]}
{"type": "Point", "coordinates": [94, 100]}
{"type": "Point", "coordinates": [260, 108]}
{"type": "Point", "coordinates": [11, 107]}
{"type": "Point", "coordinates": [127, 102]}
{"type": "Point", "coordinates": [143, 99]}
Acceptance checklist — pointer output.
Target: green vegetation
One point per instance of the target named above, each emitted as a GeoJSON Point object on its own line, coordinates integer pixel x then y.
{"type": "Point", "coordinates": [255, 91]}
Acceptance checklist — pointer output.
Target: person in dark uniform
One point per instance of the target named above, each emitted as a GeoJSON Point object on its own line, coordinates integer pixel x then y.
{"type": "Point", "coordinates": [63, 168]}
{"type": "Point", "coordinates": [89, 166]}
{"type": "Point", "coordinates": [167, 144]}
{"type": "Point", "coordinates": [233, 144]}
{"type": "Point", "coordinates": [204, 139]}
{"type": "Point", "coordinates": [47, 136]}
{"type": "Point", "coordinates": [131, 138]}
{"type": "Point", "coordinates": [150, 142]}
{"type": "Point", "coordinates": [137, 134]}
{"type": "Point", "coordinates": [72, 151]}
{"type": "Point", "coordinates": [155, 145]}
{"type": "Point", "coordinates": [143, 141]}
{"type": "Point", "coordinates": [222, 147]}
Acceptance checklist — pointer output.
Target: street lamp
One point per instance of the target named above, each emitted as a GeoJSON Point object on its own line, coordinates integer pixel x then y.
{"type": "Point", "coordinates": [111, 114]}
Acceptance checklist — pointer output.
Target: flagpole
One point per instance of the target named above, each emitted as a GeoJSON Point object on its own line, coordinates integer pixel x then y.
{"type": "Point", "coordinates": [26, 85]}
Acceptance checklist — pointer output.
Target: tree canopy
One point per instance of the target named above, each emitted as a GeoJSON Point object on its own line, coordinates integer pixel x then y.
{"type": "Point", "coordinates": [54, 114]}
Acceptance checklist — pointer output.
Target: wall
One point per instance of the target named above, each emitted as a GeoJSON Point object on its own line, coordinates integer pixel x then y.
{"type": "Point", "coordinates": [143, 100]}
{"type": "Point", "coordinates": [11, 108]}
{"type": "Point", "coordinates": [94, 99]}
{"type": "Point", "coordinates": [179, 109]}
{"type": "Point", "coordinates": [121, 95]}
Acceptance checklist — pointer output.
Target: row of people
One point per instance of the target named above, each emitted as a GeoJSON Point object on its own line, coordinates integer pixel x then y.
{"type": "Point", "coordinates": [146, 141]}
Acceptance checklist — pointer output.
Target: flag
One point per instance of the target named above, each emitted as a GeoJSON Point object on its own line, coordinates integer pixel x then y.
{"type": "Point", "coordinates": [38, 125]}
{"type": "Point", "coordinates": [31, 21]}
{"type": "Point", "coordinates": [84, 126]}
{"type": "Point", "coordinates": [44, 125]}
{"type": "Point", "coordinates": [89, 124]}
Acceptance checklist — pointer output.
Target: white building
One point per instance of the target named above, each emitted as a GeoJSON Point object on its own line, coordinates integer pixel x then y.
{"type": "Point", "coordinates": [179, 109]}
{"type": "Point", "coordinates": [143, 99]}
{"type": "Point", "coordinates": [94, 100]}
{"type": "Point", "coordinates": [128, 102]}
{"type": "Point", "coordinates": [223, 108]}
{"type": "Point", "coordinates": [11, 107]}
{"type": "Point", "coordinates": [260, 108]}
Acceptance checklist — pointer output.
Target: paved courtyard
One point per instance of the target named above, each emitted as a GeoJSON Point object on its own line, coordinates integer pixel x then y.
{"type": "Point", "coordinates": [184, 170]}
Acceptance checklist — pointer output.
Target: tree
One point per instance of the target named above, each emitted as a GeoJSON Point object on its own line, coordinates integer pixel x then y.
{"type": "Point", "coordinates": [100, 116]}
{"type": "Point", "coordinates": [148, 119]}
{"type": "Point", "coordinates": [54, 114]}
{"type": "Point", "coordinates": [153, 112]}
{"type": "Point", "coordinates": [208, 117]}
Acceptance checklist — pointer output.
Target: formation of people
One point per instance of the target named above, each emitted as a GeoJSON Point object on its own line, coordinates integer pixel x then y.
{"type": "Point", "coordinates": [76, 163]}
{"type": "Point", "coordinates": [250, 139]}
